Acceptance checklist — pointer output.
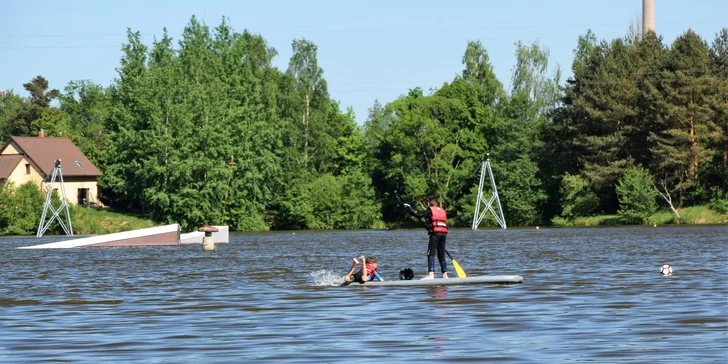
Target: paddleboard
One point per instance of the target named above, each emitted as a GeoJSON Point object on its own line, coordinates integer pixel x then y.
{"type": "Point", "coordinates": [505, 279]}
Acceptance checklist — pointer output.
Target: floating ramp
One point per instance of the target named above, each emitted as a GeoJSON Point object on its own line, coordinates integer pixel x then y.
{"type": "Point", "coordinates": [221, 236]}
{"type": "Point", "coordinates": [160, 235]}
{"type": "Point", "coordinates": [506, 279]}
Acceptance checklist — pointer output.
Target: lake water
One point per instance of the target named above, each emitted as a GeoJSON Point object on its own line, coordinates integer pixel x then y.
{"type": "Point", "coordinates": [589, 295]}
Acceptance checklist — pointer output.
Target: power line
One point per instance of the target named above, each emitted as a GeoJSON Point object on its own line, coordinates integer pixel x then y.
{"type": "Point", "coordinates": [377, 30]}
{"type": "Point", "coordinates": [63, 47]}
{"type": "Point", "coordinates": [373, 41]}
{"type": "Point", "coordinates": [347, 41]}
{"type": "Point", "coordinates": [320, 42]}
{"type": "Point", "coordinates": [524, 26]}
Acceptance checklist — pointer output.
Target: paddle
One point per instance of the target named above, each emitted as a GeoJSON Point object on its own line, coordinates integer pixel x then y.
{"type": "Point", "coordinates": [459, 270]}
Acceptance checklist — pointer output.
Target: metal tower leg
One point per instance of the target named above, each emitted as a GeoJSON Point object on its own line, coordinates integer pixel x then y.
{"type": "Point", "coordinates": [480, 214]}
{"type": "Point", "coordinates": [43, 225]}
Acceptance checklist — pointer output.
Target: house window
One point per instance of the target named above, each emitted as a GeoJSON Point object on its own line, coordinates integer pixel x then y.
{"type": "Point", "coordinates": [78, 164]}
{"type": "Point", "coordinates": [27, 168]}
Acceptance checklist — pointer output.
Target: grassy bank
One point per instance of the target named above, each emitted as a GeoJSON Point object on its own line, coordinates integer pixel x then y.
{"type": "Point", "coordinates": [101, 221]}
{"type": "Point", "coordinates": [690, 215]}
{"type": "Point", "coordinates": [696, 215]}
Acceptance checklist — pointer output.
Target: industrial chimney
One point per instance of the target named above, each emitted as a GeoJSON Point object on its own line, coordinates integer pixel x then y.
{"type": "Point", "coordinates": [648, 16]}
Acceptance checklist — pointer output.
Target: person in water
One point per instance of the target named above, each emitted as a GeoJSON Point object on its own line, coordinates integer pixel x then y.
{"type": "Point", "coordinates": [368, 271]}
{"type": "Point", "coordinates": [437, 229]}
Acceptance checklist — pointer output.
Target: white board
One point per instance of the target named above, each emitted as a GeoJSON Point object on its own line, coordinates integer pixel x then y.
{"type": "Point", "coordinates": [109, 238]}
{"type": "Point", "coordinates": [505, 279]}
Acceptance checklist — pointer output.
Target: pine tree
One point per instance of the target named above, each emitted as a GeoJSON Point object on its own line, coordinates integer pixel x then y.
{"type": "Point", "coordinates": [685, 126]}
{"type": "Point", "coordinates": [719, 67]}
{"type": "Point", "coordinates": [602, 98]}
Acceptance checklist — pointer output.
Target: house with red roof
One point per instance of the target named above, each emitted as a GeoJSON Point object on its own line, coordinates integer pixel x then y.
{"type": "Point", "coordinates": [32, 159]}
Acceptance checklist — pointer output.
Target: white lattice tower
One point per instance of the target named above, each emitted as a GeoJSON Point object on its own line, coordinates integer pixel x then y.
{"type": "Point", "coordinates": [487, 205]}
{"type": "Point", "coordinates": [43, 225]}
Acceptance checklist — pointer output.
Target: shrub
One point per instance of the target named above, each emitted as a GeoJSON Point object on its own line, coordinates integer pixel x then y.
{"type": "Point", "coordinates": [331, 202]}
{"type": "Point", "coordinates": [20, 208]}
{"type": "Point", "coordinates": [560, 221]}
{"type": "Point", "coordinates": [719, 202]}
{"type": "Point", "coordinates": [637, 196]}
{"type": "Point", "coordinates": [578, 199]}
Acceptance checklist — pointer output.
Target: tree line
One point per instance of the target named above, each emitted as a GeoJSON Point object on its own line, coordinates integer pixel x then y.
{"type": "Point", "coordinates": [205, 130]}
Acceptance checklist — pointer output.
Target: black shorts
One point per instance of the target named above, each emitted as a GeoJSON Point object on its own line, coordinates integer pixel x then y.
{"type": "Point", "coordinates": [356, 277]}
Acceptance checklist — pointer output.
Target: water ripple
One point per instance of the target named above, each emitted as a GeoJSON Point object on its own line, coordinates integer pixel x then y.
{"type": "Point", "coordinates": [589, 295]}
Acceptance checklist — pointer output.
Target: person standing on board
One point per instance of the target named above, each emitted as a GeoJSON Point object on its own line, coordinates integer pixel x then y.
{"type": "Point", "coordinates": [368, 271]}
{"type": "Point", "coordinates": [437, 229]}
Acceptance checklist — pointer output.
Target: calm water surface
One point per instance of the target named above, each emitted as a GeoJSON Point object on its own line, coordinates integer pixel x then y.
{"type": "Point", "coordinates": [589, 295]}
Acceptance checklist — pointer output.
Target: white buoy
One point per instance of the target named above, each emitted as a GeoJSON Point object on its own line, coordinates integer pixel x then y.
{"type": "Point", "coordinates": [666, 270]}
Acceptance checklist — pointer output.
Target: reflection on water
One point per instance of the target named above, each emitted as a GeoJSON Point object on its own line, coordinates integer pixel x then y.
{"type": "Point", "coordinates": [589, 295]}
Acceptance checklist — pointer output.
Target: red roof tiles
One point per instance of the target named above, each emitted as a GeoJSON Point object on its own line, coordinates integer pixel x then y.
{"type": "Point", "coordinates": [8, 164]}
{"type": "Point", "coordinates": [45, 151]}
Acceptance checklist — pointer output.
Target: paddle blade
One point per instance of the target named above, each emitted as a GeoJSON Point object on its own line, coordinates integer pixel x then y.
{"type": "Point", "coordinates": [458, 269]}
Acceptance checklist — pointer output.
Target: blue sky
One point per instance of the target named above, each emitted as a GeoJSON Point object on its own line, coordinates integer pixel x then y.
{"type": "Point", "coordinates": [368, 49]}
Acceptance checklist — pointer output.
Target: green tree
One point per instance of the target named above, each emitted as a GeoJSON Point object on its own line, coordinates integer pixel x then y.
{"type": "Point", "coordinates": [359, 206]}
{"type": "Point", "coordinates": [717, 174]}
{"type": "Point", "coordinates": [637, 196]}
{"type": "Point", "coordinates": [86, 106]}
{"type": "Point", "coordinates": [11, 105]}
{"type": "Point", "coordinates": [420, 149]}
{"type": "Point", "coordinates": [651, 54]}
{"type": "Point", "coordinates": [20, 208]}
{"type": "Point", "coordinates": [330, 202]}
{"type": "Point", "coordinates": [479, 72]}
{"type": "Point", "coordinates": [39, 113]}
{"type": "Point", "coordinates": [252, 124]}
{"type": "Point", "coordinates": [533, 97]}
{"type": "Point", "coordinates": [341, 145]}
{"type": "Point", "coordinates": [606, 98]}
{"type": "Point", "coordinates": [323, 145]}
{"type": "Point", "coordinates": [577, 197]}
{"type": "Point", "coordinates": [306, 103]}
{"type": "Point", "coordinates": [193, 134]}
{"type": "Point", "coordinates": [433, 144]}
{"type": "Point", "coordinates": [610, 106]}
{"type": "Point", "coordinates": [530, 80]}
{"type": "Point", "coordinates": [124, 151]}
{"type": "Point", "coordinates": [686, 130]}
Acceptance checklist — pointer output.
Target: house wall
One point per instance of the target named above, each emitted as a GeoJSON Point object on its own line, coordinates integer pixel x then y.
{"type": "Point", "coordinates": [18, 176]}
{"type": "Point", "coordinates": [71, 185]}
{"type": "Point", "coordinates": [10, 149]}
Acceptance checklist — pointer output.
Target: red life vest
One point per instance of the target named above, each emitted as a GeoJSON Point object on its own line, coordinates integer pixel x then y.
{"type": "Point", "coordinates": [438, 220]}
{"type": "Point", "coordinates": [370, 271]}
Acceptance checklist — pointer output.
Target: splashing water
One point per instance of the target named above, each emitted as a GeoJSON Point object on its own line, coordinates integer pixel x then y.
{"type": "Point", "coordinates": [325, 277]}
